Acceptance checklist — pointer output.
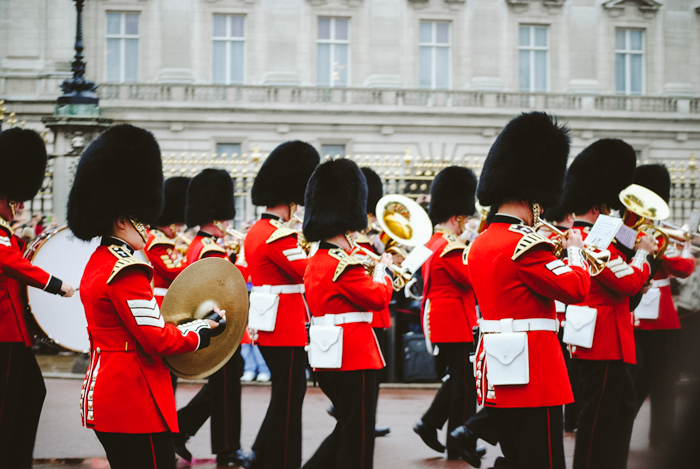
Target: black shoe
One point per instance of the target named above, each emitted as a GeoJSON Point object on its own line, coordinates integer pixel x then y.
{"type": "Point", "coordinates": [179, 439]}
{"type": "Point", "coordinates": [481, 450]}
{"type": "Point", "coordinates": [464, 442]}
{"type": "Point", "coordinates": [251, 461]}
{"type": "Point", "coordinates": [231, 459]}
{"type": "Point", "coordinates": [429, 436]}
{"type": "Point", "coordinates": [381, 431]}
{"type": "Point", "coordinates": [331, 411]}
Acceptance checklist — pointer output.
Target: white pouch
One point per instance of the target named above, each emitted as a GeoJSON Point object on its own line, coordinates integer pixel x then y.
{"type": "Point", "coordinates": [507, 358]}
{"type": "Point", "coordinates": [580, 326]}
{"type": "Point", "coordinates": [325, 346]}
{"type": "Point", "coordinates": [263, 310]}
{"type": "Point", "coordinates": [649, 306]}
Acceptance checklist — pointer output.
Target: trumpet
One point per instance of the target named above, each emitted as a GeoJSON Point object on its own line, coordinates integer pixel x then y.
{"type": "Point", "coordinates": [301, 239]}
{"type": "Point", "coordinates": [483, 214]}
{"type": "Point", "coordinates": [680, 234]}
{"type": "Point", "coordinates": [182, 248]}
{"type": "Point", "coordinates": [401, 277]}
{"type": "Point", "coordinates": [234, 246]}
{"type": "Point", "coordinates": [596, 260]}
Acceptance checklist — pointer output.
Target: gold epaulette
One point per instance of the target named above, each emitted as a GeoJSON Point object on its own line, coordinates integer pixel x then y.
{"type": "Point", "coordinates": [209, 245]}
{"type": "Point", "coordinates": [125, 259]}
{"type": "Point", "coordinates": [159, 238]}
{"type": "Point", "coordinates": [530, 238]}
{"type": "Point", "coordinates": [465, 255]}
{"type": "Point", "coordinates": [4, 224]}
{"type": "Point", "coordinates": [452, 244]}
{"type": "Point", "coordinates": [362, 239]}
{"type": "Point", "coordinates": [344, 261]}
{"type": "Point", "coordinates": [281, 231]}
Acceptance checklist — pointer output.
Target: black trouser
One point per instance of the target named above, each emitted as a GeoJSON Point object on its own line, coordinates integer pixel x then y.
{"type": "Point", "coordinates": [138, 450]}
{"type": "Point", "coordinates": [606, 414]}
{"type": "Point", "coordinates": [278, 444]}
{"type": "Point", "coordinates": [481, 425]}
{"type": "Point", "coordinates": [380, 333]}
{"type": "Point", "coordinates": [22, 393]}
{"type": "Point", "coordinates": [655, 374]}
{"type": "Point", "coordinates": [219, 398]}
{"type": "Point", "coordinates": [530, 437]}
{"type": "Point", "coordinates": [455, 401]}
{"type": "Point", "coordinates": [570, 410]}
{"type": "Point", "coordinates": [351, 444]}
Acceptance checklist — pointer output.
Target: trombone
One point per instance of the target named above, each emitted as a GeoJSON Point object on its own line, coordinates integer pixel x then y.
{"type": "Point", "coordinates": [680, 234]}
{"type": "Point", "coordinates": [596, 260]}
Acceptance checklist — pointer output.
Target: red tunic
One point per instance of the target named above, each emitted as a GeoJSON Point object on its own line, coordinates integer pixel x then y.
{"type": "Point", "coordinates": [676, 266]}
{"type": "Point", "coordinates": [613, 338]}
{"type": "Point", "coordinates": [159, 249]}
{"type": "Point", "coordinates": [127, 389]}
{"type": "Point", "coordinates": [449, 308]}
{"type": "Point", "coordinates": [381, 319]}
{"type": "Point", "coordinates": [351, 291]}
{"type": "Point", "coordinates": [274, 258]}
{"type": "Point", "coordinates": [524, 288]}
{"type": "Point", "coordinates": [15, 273]}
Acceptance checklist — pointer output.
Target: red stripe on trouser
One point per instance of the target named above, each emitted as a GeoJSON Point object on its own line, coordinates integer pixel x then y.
{"type": "Point", "coordinates": [362, 452]}
{"type": "Point", "coordinates": [595, 419]}
{"type": "Point", "coordinates": [153, 452]}
{"type": "Point", "coordinates": [549, 440]}
{"type": "Point", "coordinates": [289, 405]}
{"type": "Point", "coordinates": [7, 382]}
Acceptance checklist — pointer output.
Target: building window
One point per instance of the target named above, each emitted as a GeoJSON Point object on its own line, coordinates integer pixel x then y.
{"type": "Point", "coordinates": [228, 58]}
{"type": "Point", "coordinates": [629, 61]}
{"type": "Point", "coordinates": [332, 150]}
{"type": "Point", "coordinates": [122, 48]}
{"type": "Point", "coordinates": [533, 50]}
{"type": "Point", "coordinates": [434, 43]}
{"type": "Point", "coordinates": [333, 46]}
{"type": "Point", "coordinates": [227, 150]}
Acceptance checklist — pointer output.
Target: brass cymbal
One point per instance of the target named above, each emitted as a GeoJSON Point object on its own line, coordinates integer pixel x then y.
{"type": "Point", "coordinates": [202, 285]}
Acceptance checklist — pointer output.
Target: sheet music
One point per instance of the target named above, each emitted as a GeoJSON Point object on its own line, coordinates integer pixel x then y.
{"type": "Point", "coordinates": [416, 259]}
{"type": "Point", "coordinates": [694, 221]}
{"type": "Point", "coordinates": [627, 236]}
{"type": "Point", "coordinates": [603, 231]}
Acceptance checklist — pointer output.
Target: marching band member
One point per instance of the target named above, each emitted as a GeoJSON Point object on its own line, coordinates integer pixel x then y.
{"type": "Point", "coordinates": [160, 247]}
{"type": "Point", "coordinates": [521, 376]}
{"type": "Point", "coordinates": [606, 393]}
{"type": "Point", "coordinates": [127, 397]}
{"type": "Point", "coordinates": [339, 292]}
{"type": "Point", "coordinates": [276, 265]}
{"type": "Point", "coordinates": [210, 205]}
{"type": "Point", "coordinates": [22, 389]}
{"type": "Point", "coordinates": [655, 337]}
{"type": "Point", "coordinates": [449, 309]}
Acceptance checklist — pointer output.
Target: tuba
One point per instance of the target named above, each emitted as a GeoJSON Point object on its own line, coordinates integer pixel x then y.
{"type": "Point", "coordinates": [643, 207]}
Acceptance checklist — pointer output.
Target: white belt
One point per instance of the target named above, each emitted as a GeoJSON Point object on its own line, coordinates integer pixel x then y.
{"type": "Point", "coordinates": [157, 291]}
{"type": "Point", "coordinates": [519, 325]}
{"type": "Point", "coordinates": [276, 289]}
{"type": "Point", "coordinates": [661, 283]}
{"type": "Point", "coordinates": [342, 318]}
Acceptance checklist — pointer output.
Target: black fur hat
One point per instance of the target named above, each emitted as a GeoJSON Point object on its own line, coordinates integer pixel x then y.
{"type": "Point", "coordinates": [527, 162]}
{"type": "Point", "coordinates": [555, 214]}
{"type": "Point", "coordinates": [283, 176]}
{"type": "Point", "coordinates": [654, 177]}
{"type": "Point", "coordinates": [23, 162]}
{"type": "Point", "coordinates": [336, 200]}
{"type": "Point", "coordinates": [119, 175]}
{"type": "Point", "coordinates": [598, 174]}
{"type": "Point", "coordinates": [375, 189]}
{"type": "Point", "coordinates": [175, 190]}
{"type": "Point", "coordinates": [209, 198]}
{"type": "Point", "coordinates": [452, 193]}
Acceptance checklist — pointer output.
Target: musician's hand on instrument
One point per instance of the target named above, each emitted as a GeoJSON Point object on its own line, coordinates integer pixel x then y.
{"type": "Point", "coordinates": [573, 239]}
{"type": "Point", "coordinates": [386, 259]}
{"type": "Point", "coordinates": [67, 290]}
{"type": "Point", "coordinates": [217, 321]}
{"type": "Point", "coordinates": [647, 243]}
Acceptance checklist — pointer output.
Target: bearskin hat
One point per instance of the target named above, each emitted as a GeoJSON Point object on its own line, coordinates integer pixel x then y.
{"type": "Point", "coordinates": [656, 178]}
{"type": "Point", "coordinates": [283, 176]}
{"type": "Point", "coordinates": [23, 162]}
{"type": "Point", "coordinates": [209, 198]}
{"type": "Point", "coordinates": [527, 162]}
{"type": "Point", "coordinates": [175, 191]}
{"type": "Point", "coordinates": [452, 193]}
{"type": "Point", "coordinates": [555, 214]}
{"type": "Point", "coordinates": [375, 189]}
{"type": "Point", "coordinates": [598, 174]}
{"type": "Point", "coordinates": [336, 200]}
{"type": "Point", "coordinates": [119, 175]}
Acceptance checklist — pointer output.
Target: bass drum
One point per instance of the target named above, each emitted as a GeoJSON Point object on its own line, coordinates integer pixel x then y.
{"type": "Point", "coordinates": [61, 254]}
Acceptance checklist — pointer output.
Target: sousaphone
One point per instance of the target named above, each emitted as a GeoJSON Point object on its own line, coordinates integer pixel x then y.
{"type": "Point", "coordinates": [194, 293]}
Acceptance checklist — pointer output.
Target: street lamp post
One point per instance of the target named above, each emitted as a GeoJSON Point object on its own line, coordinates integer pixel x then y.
{"type": "Point", "coordinates": [78, 90]}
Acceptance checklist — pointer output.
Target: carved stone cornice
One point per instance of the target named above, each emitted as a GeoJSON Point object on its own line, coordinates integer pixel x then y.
{"type": "Point", "coordinates": [520, 6]}
{"type": "Point", "coordinates": [617, 7]}
{"type": "Point", "coordinates": [347, 3]}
